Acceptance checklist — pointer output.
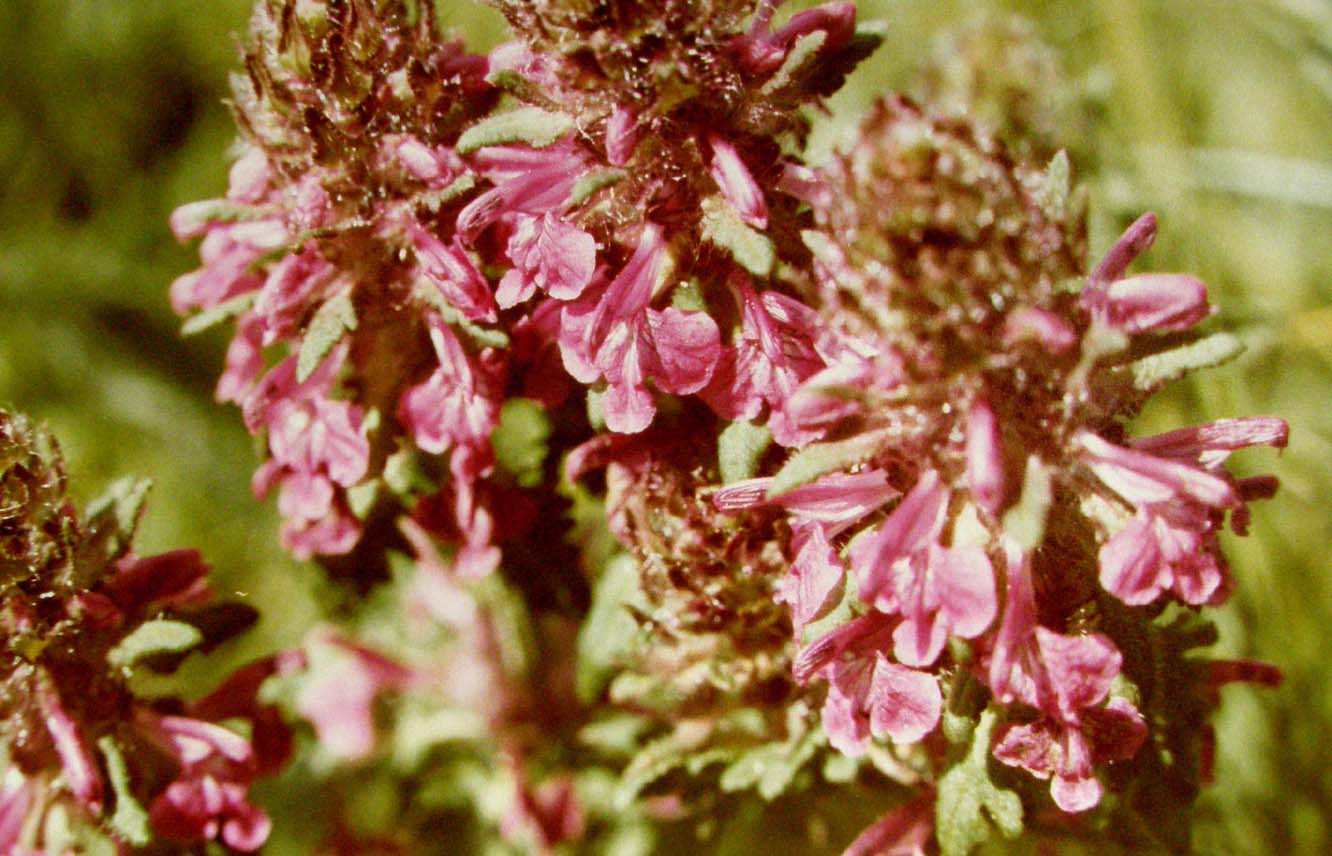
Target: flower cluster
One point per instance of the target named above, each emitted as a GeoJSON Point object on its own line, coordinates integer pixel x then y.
{"type": "Point", "coordinates": [81, 613]}
{"type": "Point", "coordinates": [861, 426]}
{"type": "Point", "coordinates": [974, 477]}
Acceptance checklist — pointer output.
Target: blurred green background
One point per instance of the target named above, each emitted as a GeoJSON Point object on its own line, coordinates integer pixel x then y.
{"type": "Point", "coordinates": [1216, 114]}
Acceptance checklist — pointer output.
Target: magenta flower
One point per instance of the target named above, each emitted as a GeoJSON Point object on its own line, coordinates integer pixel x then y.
{"type": "Point", "coordinates": [867, 693]}
{"type": "Point", "coordinates": [448, 268]}
{"type": "Point", "coordinates": [772, 354]}
{"type": "Point", "coordinates": [1067, 753]}
{"type": "Point", "coordinates": [618, 337]}
{"type": "Point", "coordinates": [338, 697]}
{"type": "Point", "coordinates": [229, 251]}
{"type": "Point", "coordinates": [209, 798]}
{"type": "Point", "coordinates": [318, 448]}
{"type": "Point", "coordinates": [526, 181]}
{"type": "Point", "coordinates": [1146, 302]}
{"type": "Point", "coordinates": [902, 831]}
{"type": "Point", "coordinates": [457, 405]}
{"type": "Point", "coordinates": [548, 254]}
{"type": "Point", "coordinates": [762, 51]}
{"type": "Point", "coordinates": [737, 186]}
{"type": "Point", "coordinates": [293, 284]}
{"type": "Point", "coordinates": [76, 760]}
{"type": "Point", "coordinates": [903, 570]}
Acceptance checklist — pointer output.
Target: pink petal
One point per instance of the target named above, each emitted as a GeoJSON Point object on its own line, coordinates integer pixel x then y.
{"type": "Point", "coordinates": [905, 704]}
{"type": "Point", "coordinates": [449, 269]}
{"type": "Point", "coordinates": [902, 831]}
{"type": "Point", "coordinates": [686, 346]}
{"type": "Point", "coordinates": [1133, 243]}
{"type": "Point", "coordinates": [1041, 326]}
{"type": "Point", "coordinates": [917, 519]}
{"type": "Point", "coordinates": [964, 581]}
{"type": "Point", "coordinates": [621, 136]}
{"type": "Point", "coordinates": [1142, 478]}
{"type": "Point", "coordinates": [556, 256]}
{"type": "Point", "coordinates": [1156, 302]}
{"type": "Point", "coordinates": [736, 183]}
{"type": "Point", "coordinates": [1080, 670]}
{"type": "Point", "coordinates": [1208, 445]}
{"type": "Point", "coordinates": [985, 461]}
{"type": "Point", "coordinates": [815, 575]}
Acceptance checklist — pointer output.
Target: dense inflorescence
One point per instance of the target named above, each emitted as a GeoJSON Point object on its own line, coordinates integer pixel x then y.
{"type": "Point", "coordinates": [706, 456]}
{"type": "Point", "coordinates": [81, 615]}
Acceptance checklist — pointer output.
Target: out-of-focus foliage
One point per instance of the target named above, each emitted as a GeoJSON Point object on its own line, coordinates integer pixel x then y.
{"type": "Point", "coordinates": [1217, 114]}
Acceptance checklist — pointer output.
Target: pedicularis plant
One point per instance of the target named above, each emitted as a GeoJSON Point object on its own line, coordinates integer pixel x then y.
{"type": "Point", "coordinates": [664, 472]}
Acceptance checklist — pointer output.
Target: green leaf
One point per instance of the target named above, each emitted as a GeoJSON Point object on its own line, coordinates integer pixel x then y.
{"type": "Point", "coordinates": [201, 321]}
{"type": "Point", "coordinates": [1151, 373]}
{"type": "Point", "coordinates": [159, 636]}
{"type": "Point", "coordinates": [621, 734]}
{"type": "Point", "coordinates": [658, 758]}
{"type": "Point", "coordinates": [335, 319]}
{"type": "Point", "coordinates": [520, 440]}
{"type": "Point", "coordinates": [113, 517]}
{"type": "Point", "coordinates": [751, 249]}
{"type": "Point", "coordinates": [481, 337]}
{"type": "Point", "coordinates": [609, 631]}
{"type": "Point", "coordinates": [970, 803]}
{"type": "Point", "coordinates": [805, 49]}
{"type": "Point", "coordinates": [130, 821]}
{"type": "Point", "coordinates": [512, 624]}
{"type": "Point", "coordinates": [770, 768]}
{"type": "Point", "coordinates": [434, 200]}
{"type": "Point", "coordinates": [530, 125]}
{"type": "Point", "coordinates": [739, 448]}
{"type": "Point", "coordinates": [819, 459]}
{"type": "Point", "coordinates": [589, 183]}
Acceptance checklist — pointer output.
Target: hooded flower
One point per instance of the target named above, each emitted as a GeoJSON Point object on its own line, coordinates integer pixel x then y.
{"type": "Point", "coordinates": [773, 352]}
{"type": "Point", "coordinates": [457, 404]}
{"type": "Point", "coordinates": [618, 337]}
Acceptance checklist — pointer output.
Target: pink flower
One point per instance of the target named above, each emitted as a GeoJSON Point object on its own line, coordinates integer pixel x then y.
{"type": "Point", "coordinates": [867, 693]}
{"type": "Point", "coordinates": [527, 181]}
{"type": "Point", "coordinates": [736, 183]}
{"type": "Point", "coordinates": [244, 360]}
{"type": "Point", "coordinates": [204, 808]}
{"type": "Point", "coordinates": [1147, 302]}
{"type": "Point", "coordinates": [622, 135]}
{"type": "Point", "coordinates": [293, 285]}
{"type": "Point", "coordinates": [1169, 545]}
{"type": "Point", "coordinates": [338, 697]}
{"type": "Point", "coordinates": [548, 254]}
{"type": "Point", "coordinates": [1168, 548]}
{"type": "Point", "coordinates": [985, 460]}
{"type": "Point", "coordinates": [449, 269]}
{"type": "Point", "coordinates": [819, 511]}
{"type": "Point", "coordinates": [815, 575]}
{"type": "Point", "coordinates": [318, 447]}
{"type": "Point", "coordinates": [81, 772]}
{"type": "Point", "coordinates": [903, 831]}
{"type": "Point", "coordinates": [208, 799]}
{"type": "Point", "coordinates": [903, 570]}
{"type": "Point", "coordinates": [617, 336]}
{"type": "Point", "coordinates": [762, 51]}
{"type": "Point", "coordinates": [772, 354]}
{"type": "Point", "coordinates": [456, 405]}
{"type": "Point", "coordinates": [229, 252]}
{"type": "Point", "coordinates": [1068, 753]}
{"type": "Point", "coordinates": [1045, 328]}
{"type": "Point", "coordinates": [16, 798]}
